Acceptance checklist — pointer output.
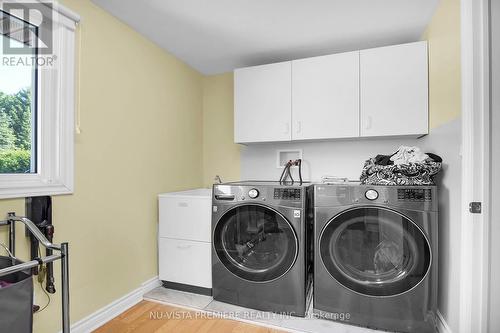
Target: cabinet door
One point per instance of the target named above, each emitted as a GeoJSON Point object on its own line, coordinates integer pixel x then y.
{"type": "Point", "coordinates": [186, 262]}
{"type": "Point", "coordinates": [262, 103]}
{"type": "Point", "coordinates": [185, 218]}
{"type": "Point", "coordinates": [325, 97]}
{"type": "Point", "coordinates": [394, 90]}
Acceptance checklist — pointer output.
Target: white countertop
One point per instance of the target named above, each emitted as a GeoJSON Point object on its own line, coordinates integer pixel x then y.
{"type": "Point", "coordinates": [205, 193]}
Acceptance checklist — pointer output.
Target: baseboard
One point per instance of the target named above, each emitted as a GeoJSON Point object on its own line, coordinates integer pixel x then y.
{"type": "Point", "coordinates": [442, 325]}
{"type": "Point", "coordinates": [115, 308]}
{"type": "Point", "coordinates": [151, 284]}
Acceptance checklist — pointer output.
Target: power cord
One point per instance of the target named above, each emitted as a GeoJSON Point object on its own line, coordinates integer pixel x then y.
{"type": "Point", "coordinates": [284, 171]}
{"type": "Point", "coordinates": [287, 173]}
{"type": "Point", "coordinates": [299, 164]}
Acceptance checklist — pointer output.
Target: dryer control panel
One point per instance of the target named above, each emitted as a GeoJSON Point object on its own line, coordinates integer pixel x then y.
{"type": "Point", "coordinates": [287, 193]}
{"type": "Point", "coordinates": [402, 197]}
{"type": "Point", "coordinates": [260, 192]}
{"type": "Point", "coordinates": [412, 194]}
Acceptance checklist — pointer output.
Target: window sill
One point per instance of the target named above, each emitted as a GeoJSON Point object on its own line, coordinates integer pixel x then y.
{"type": "Point", "coordinates": [35, 191]}
{"type": "Point", "coordinates": [30, 185]}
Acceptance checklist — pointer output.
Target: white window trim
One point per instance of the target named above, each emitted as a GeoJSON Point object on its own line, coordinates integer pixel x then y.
{"type": "Point", "coordinates": [55, 119]}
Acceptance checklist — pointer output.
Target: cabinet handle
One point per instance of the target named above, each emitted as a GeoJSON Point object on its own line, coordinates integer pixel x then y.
{"type": "Point", "coordinates": [368, 122]}
{"type": "Point", "coordinates": [287, 127]}
{"type": "Point", "coordinates": [299, 127]}
{"type": "Point", "coordinates": [183, 247]}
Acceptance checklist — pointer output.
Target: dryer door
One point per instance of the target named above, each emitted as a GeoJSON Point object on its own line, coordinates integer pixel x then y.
{"type": "Point", "coordinates": [375, 251]}
{"type": "Point", "coordinates": [255, 242]}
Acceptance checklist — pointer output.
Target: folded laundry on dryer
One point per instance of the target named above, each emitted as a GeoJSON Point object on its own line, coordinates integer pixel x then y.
{"type": "Point", "coordinates": [407, 166]}
{"type": "Point", "coordinates": [385, 160]}
{"type": "Point", "coordinates": [407, 155]}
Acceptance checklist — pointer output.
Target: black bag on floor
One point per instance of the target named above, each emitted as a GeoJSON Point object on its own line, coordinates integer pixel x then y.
{"type": "Point", "coordinates": [16, 299]}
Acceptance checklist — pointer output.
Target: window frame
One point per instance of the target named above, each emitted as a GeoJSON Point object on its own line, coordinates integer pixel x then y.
{"type": "Point", "coordinates": [55, 125]}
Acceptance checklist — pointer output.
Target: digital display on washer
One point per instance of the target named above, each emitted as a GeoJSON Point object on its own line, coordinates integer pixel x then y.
{"type": "Point", "coordinates": [411, 194]}
{"type": "Point", "coordinates": [287, 193]}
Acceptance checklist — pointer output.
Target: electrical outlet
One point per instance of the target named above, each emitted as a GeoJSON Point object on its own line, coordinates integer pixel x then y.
{"type": "Point", "coordinates": [285, 155]}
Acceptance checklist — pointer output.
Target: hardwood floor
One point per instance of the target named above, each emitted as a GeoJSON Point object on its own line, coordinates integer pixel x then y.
{"type": "Point", "coordinates": [149, 317]}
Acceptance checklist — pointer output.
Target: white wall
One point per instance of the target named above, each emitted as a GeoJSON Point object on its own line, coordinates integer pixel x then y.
{"type": "Point", "coordinates": [345, 158]}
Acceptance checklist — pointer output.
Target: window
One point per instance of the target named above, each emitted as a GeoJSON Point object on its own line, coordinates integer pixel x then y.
{"type": "Point", "coordinates": [18, 90]}
{"type": "Point", "coordinates": [37, 98]}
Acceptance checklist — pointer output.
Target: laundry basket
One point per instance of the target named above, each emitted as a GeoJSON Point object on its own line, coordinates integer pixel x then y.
{"type": "Point", "coordinates": [16, 299]}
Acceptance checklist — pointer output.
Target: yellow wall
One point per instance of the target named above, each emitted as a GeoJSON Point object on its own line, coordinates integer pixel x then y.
{"type": "Point", "coordinates": [141, 117]}
{"type": "Point", "coordinates": [443, 35]}
{"type": "Point", "coordinates": [221, 156]}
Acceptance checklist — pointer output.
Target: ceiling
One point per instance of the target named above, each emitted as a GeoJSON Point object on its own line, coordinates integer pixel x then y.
{"type": "Point", "coordinates": [216, 36]}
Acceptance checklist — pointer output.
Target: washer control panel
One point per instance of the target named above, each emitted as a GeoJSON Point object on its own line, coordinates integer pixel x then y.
{"type": "Point", "coordinates": [415, 195]}
{"type": "Point", "coordinates": [287, 194]}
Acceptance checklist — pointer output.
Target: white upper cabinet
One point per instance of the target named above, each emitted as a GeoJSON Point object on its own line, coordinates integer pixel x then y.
{"type": "Point", "coordinates": [394, 90]}
{"type": "Point", "coordinates": [262, 103]}
{"type": "Point", "coordinates": [368, 93]}
{"type": "Point", "coordinates": [325, 97]}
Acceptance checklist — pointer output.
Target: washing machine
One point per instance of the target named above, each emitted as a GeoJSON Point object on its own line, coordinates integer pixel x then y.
{"type": "Point", "coordinates": [260, 237]}
{"type": "Point", "coordinates": [376, 256]}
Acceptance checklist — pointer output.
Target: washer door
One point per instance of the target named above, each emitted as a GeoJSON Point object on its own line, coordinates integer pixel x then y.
{"type": "Point", "coordinates": [256, 243]}
{"type": "Point", "coordinates": [375, 251]}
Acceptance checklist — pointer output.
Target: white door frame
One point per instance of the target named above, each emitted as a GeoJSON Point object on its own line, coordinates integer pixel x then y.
{"type": "Point", "coordinates": [474, 253]}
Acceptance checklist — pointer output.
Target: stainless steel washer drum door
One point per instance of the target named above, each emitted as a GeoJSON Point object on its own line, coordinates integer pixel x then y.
{"type": "Point", "coordinates": [375, 251]}
{"type": "Point", "coordinates": [255, 242]}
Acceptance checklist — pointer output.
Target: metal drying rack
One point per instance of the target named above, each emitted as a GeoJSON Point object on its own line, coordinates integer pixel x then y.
{"type": "Point", "coordinates": [63, 256]}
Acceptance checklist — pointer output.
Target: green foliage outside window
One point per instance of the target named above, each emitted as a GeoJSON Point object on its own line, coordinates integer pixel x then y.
{"type": "Point", "coordinates": [15, 132]}
{"type": "Point", "coordinates": [15, 161]}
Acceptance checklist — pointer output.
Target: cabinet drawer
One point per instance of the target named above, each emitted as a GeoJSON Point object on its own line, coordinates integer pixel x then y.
{"type": "Point", "coordinates": [185, 218]}
{"type": "Point", "coordinates": [187, 262]}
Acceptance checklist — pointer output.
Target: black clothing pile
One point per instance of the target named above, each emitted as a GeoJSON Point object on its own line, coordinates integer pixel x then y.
{"type": "Point", "coordinates": [407, 166]}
